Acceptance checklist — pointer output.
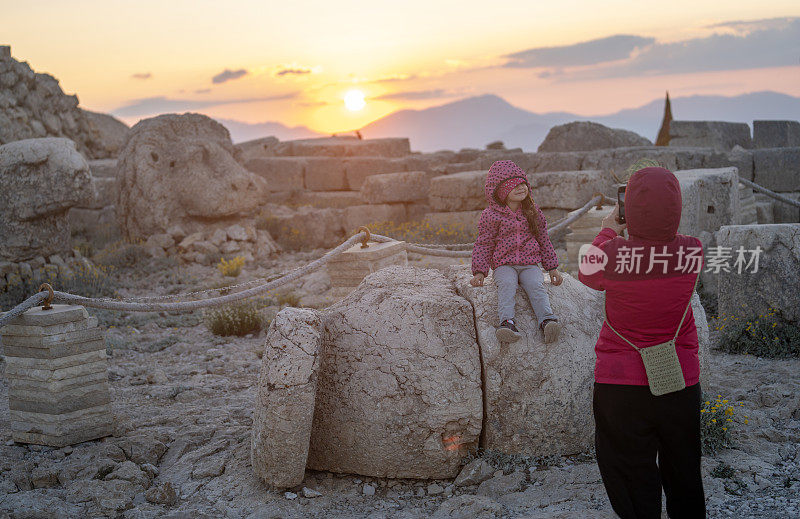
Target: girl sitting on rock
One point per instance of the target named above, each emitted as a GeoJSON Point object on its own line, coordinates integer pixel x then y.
{"type": "Point", "coordinates": [513, 241]}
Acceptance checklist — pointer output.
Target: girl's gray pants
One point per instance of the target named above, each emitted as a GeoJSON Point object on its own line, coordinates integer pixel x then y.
{"type": "Point", "coordinates": [531, 277]}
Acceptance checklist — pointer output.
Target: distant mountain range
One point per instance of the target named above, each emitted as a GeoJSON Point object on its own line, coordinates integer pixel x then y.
{"type": "Point", "coordinates": [477, 121]}
{"type": "Point", "coordinates": [241, 132]}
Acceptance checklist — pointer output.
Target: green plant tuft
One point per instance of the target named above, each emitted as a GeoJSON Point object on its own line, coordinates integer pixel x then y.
{"type": "Point", "coordinates": [236, 319]}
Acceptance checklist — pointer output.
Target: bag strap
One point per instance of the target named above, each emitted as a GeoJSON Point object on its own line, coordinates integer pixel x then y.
{"type": "Point", "coordinates": [605, 316]}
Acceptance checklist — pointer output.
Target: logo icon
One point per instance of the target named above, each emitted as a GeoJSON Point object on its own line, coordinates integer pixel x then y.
{"type": "Point", "coordinates": [591, 259]}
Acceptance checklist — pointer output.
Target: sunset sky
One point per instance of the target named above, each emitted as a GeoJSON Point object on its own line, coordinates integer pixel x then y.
{"type": "Point", "coordinates": [294, 62]}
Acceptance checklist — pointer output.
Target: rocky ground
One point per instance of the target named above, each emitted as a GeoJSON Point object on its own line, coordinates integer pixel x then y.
{"type": "Point", "coordinates": [182, 403]}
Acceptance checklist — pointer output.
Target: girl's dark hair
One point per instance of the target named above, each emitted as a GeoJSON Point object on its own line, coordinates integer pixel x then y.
{"type": "Point", "coordinates": [529, 210]}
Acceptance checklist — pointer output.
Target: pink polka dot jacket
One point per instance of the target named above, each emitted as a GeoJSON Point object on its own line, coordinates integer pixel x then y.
{"type": "Point", "coordinates": [504, 237]}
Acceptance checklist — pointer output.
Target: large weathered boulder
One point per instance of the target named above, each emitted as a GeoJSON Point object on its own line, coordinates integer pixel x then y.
{"type": "Point", "coordinates": [749, 289]}
{"type": "Point", "coordinates": [709, 134]}
{"type": "Point", "coordinates": [538, 397]}
{"type": "Point", "coordinates": [110, 133]}
{"type": "Point", "coordinates": [181, 170]}
{"type": "Point", "coordinates": [399, 388]}
{"type": "Point", "coordinates": [586, 135]}
{"type": "Point", "coordinates": [287, 386]}
{"type": "Point", "coordinates": [40, 179]}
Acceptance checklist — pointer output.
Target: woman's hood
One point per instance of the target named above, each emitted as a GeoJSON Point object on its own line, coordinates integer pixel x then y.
{"type": "Point", "coordinates": [499, 172]}
{"type": "Point", "coordinates": [653, 204]}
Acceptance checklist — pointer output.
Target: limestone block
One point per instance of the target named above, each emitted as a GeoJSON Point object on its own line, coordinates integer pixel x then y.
{"type": "Point", "coordinates": [303, 227]}
{"type": "Point", "coordinates": [57, 371]}
{"type": "Point", "coordinates": [284, 406]}
{"type": "Point", "coordinates": [40, 179]}
{"type": "Point", "coordinates": [747, 207]}
{"type": "Point", "coordinates": [396, 187]}
{"type": "Point", "coordinates": [399, 389]}
{"type": "Point", "coordinates": [710, 199]}
{"type": "Point", "coordinates": [538, 397]}
{"type": "Point", "coordinates": [709, 134]}
{"type": "Point", "coordinates": [775, 283]}
{"type": "Point", "coordinates": [618, 160]}
{"type": "Point", "coordinates": [458, 192]}
{"type": "Point", "coordinates": [347, 146]}
{"type": "Point", "coordinates": [280, 173]}
{"type": "Point", "coordinates": [257, 148]}
{"type": "Point", "coordinates": [785, 213]}
{"type": "Point", "coordinates": [368, 214]}
{"type": "Point", "coordinates": [777, 169]}
{"type": "Point", "coordinates": [353, 265]}
{"type": "Point", "coordinates": [555, 161]}
{"type": "Point", "coordinates": [324, 174]}
{"type": "Point", "coordinates": [333, 199]}
{"type": "Point", "coordinates": [569, 189]}
{"type": "Point", "coordinates": [359, 168]}
{"type": "Point", "coordinates": [776, 134]}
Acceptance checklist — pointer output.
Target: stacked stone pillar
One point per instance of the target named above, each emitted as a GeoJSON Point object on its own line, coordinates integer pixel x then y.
{"type": "Point", "coordinates": [349, 268]}
{"type": "Point", "coordinates": [57, 372]}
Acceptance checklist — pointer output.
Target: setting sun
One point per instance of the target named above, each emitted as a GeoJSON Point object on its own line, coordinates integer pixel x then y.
{"type": "Point", "coordinates": [354, 100]}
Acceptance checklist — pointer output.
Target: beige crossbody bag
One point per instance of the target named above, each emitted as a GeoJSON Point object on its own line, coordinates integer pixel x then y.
{"type": "Point", "coordinates": [664, 373]}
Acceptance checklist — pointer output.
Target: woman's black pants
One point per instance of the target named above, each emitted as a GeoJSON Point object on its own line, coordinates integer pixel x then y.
{"type": "Point", "coordinates": [632, 429]}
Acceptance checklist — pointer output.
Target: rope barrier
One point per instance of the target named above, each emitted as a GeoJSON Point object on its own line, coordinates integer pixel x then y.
{"type": "Point", "coordinates": [154, 304]}
{"type": "Point", "coordinates": [185, 306]}
{"type": "Point", "coordinates": [23, 307]}
{"type": "Point", "coordinates": [776, 196]}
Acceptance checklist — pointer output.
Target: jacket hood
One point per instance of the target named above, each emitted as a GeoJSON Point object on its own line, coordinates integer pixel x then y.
{"type": "Point", "coordinates": [499, 172]}
{"type": "Point", "coordinates": [653, 204]}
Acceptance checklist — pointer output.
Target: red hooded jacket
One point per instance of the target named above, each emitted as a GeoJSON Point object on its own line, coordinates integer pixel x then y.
{"type": "Point", "coordinates": [646, 307]}
{"type": "Point", "coordinates": [504, 237]}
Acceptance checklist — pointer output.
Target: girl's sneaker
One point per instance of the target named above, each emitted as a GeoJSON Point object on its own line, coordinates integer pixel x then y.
{"type": "Point", "coordinates": [550, 329]}
{"type": "Point", "coordinates": [507, 332]}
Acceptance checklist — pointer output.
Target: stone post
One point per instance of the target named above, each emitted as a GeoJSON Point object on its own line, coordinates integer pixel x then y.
{"type": "Point", "coordinates": [584, 230]}
{"type": "Point", "coordinates": [58, 377]}
{"type": "Point", "coordinates": [353, 265]}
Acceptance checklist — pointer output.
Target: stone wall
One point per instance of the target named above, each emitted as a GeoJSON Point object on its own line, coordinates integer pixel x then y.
{"type": "Point", "coordinates": [316, 192]}
{"type": "Point", "coordinates": [33, 105]}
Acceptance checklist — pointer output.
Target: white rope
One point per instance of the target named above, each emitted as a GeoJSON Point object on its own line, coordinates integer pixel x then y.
{"type": "Point", "coordinates": [152, 303]}
{"type": "Point", "coordinates": [23, 307]}
{"type": "Point", "coordinates": [185, 306]}
{"type": "Point", "coordinates": [766, 191]}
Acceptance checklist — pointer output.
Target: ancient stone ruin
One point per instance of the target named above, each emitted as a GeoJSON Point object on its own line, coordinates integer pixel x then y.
{"type": "Point", "coordinates": [32, 105]}
{"type": "Point", "coordinates": [403, 376]}
{"type": "Point", "coordinates": [41, 179]}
